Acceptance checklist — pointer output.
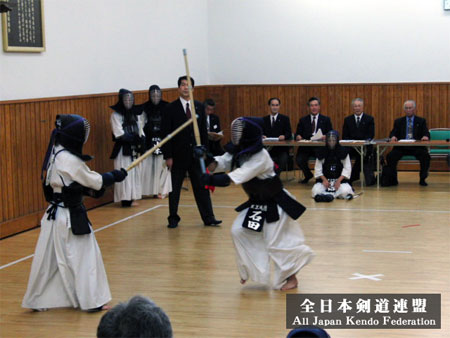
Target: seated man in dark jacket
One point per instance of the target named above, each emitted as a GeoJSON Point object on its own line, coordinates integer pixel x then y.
{"type": "Point", "coordinates": [307, 127]}
{"type": "Point", "coordinates": [410, 127]}
{"type": "Point", "coordinates": [215, 133]}
{"type": "Point", "coordinates": [360, 126]}
{"type": "Point", "coordinates": [279, 126]}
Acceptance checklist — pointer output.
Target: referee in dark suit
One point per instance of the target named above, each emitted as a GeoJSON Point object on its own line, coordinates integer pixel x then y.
{"type": "Point", "coordinates": [306, 128]}
{"type": "Point", "coordinates": [279, 126]}
{"type": "Point", "coordinates": [359, 126]}
{"type": "Point", "coordinates": [179, 157]}
{"type": "Point", "coordinates": [410, 127]}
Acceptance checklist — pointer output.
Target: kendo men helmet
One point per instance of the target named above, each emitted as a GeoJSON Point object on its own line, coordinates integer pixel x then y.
{"type": "Point", "coordinates": [154, 93]}
{"type": "Point", "coordinates": [332, 139]}
{"type": "Point", "coordinates": [246, 131]}
{"type": "Point", "coordinates": [72, 132]}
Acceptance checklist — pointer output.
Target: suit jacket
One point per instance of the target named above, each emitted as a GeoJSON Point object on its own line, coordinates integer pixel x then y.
{"type": "Point", "coordinates": [282, 126]}
{"type": "Point", "coordinates": [420, 128]}
{"type": "Point", "coordinates": [304, 127]}
{"type": "Point", "coordinates": [180, 147]}
{"type": "Point", "coordinates": [214, 125]}
{"type": "Point", "coordinates": [365, 131]}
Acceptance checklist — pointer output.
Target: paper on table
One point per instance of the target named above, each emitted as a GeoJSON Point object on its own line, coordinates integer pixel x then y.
{"type": "Point", "coordinates": [408, 141]}
{"type": "Point", "coordinates": [271, 139]}
{"type": "Point", "coordinates": [317, 136]}
{"type": "Point", "coordinates": [214, 136]}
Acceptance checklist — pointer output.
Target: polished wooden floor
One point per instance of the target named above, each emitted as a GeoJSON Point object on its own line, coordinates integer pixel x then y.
{"type": "Point", "coordinates": [190, 271]}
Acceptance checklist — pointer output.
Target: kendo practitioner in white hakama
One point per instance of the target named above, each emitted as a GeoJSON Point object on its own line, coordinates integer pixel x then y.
{"type": "Point", "coordinates": [152, 166]}
{"type": "Point", "coordinates": [266, 229]}
{"type": "Point", "coordinates": [332, 171]}
{"type": "Point", "coordinates": [67, 268]}
{"type": "Point", "coordinates": [128, 135]}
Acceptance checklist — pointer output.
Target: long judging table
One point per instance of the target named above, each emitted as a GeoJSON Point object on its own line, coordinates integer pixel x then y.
{"type": "Point", "coordinates": [383, 145]}
{"type": "Point", "coordinates": [358, 145]}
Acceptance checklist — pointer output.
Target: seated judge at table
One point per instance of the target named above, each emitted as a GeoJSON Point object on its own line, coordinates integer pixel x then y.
{"type": "Point", "coordinates": [215, 133]}
{"type": "Point", "coordinates": [307, 127]}
{"type": "Point", "coordinates": [359, 126]}
{"type": "Point", "coordinates": [410, 127]}
{"type": "Point", "coordinates": [278, 126]}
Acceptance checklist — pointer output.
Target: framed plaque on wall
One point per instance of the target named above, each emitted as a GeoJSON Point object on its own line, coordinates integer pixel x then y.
{"type": "Point", "coordinates": [23, 26]}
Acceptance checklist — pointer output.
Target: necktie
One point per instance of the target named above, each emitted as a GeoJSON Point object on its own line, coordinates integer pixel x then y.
{"type": "Point", "coordinates": [188, 111]}
{"type": "Point", "coordinates": [358, 119]}
{"type": "Point", "coordinates": [409, 134]}
{"type": "Point", "coordinates": [273, 121]}
{"type": "Point", "coordinates": [313, 124]}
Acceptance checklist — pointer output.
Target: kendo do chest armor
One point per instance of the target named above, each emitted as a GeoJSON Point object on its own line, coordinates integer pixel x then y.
{"type": "Point", "coordinates": [332, 170]}
{"type": "Point", "coordinates": [264, 196]}
{"type": "Point", "coordinates": [128, 148]}
{"type": "Point", "coordinates": [154, 131]}
{"type": "Point", "coordinates": [72, 197]}
{"type": "Point", "coordinates": [332, 167]}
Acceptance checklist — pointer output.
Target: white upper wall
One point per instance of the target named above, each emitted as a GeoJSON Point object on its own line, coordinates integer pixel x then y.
{"type": "Point", "coordinates": [328, 41]}
{"type": "Point", "coordinates": [103, 45]}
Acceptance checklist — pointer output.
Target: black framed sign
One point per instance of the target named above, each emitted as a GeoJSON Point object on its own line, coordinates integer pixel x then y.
{"type": "Point", "coordinates": [23, 26]}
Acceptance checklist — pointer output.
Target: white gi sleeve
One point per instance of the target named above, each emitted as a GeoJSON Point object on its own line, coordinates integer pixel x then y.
{"type": "Point", "coordinates": [260, 164]}
{"type": "Point", "coordinates": [116, 124]}
{"type": "Point", "coordinates": [318, 168]}
{"type": "Point", "coordinates": [72, 168]}
{"type": "Point", "coordinates": [347, 170]}
{"type": "Point", "coordinates": [223, 162]}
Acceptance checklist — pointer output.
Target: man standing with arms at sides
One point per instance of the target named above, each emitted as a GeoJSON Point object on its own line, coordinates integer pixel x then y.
{"type": "Point", "coordinates": [410, 127]}
{"type": "Point", "coordinates": [360, 126]}
{"type": "Point", "coordinates": [279, 126]}
{"type": "Point", "coordinates": [307, 127]}
{"type": "Point", "coordinates": [152, 166]}
{"type": "Point", "coordinates": [179, 155]}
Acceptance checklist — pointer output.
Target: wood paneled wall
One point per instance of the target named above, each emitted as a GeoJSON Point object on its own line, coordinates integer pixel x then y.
{"type": "Point", "coordinates": [25, 127]}
{"type": "Point", "coordinates": [383, 101]}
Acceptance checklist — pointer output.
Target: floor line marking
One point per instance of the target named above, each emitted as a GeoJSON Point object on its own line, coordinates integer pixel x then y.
{"type": "Point", "coordinates": [387, 251]}
{"type": "Point", "coordinates": [99, 229]}
{"type": "Point", "coordinates": [15, 262]}
{"type": "Point", "coordinates": [384, 210]}
{"type": "Point", "coordinates": [371, 277]}
{"type": "Point", "coordinates": [340, 209]}
{"type": "Point", "coordinates": [129, 217]}
{"type": "Point", "coordinates": [412, 225]}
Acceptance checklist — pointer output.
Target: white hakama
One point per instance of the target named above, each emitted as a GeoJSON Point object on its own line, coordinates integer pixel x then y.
{"type": "Point", "coordinates": [281, 242]}
{"type": "Point", "coordinates": [131, 188]}
{"type": "Point", "coordinates": [151, 172]}
{"type": "Point", "coordinates": [165, 182]}
{"type": "Point", "coordinates": [344, 189]}
{"type": "Point", "coordinates": [67, 269]}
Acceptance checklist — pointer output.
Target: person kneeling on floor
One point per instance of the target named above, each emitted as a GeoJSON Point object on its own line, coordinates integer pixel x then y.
{"type": "Point", "coordinates": [332, 171]}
